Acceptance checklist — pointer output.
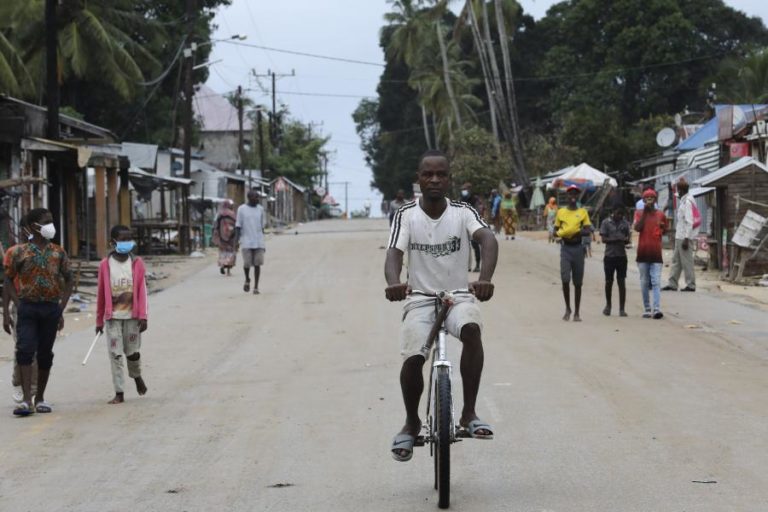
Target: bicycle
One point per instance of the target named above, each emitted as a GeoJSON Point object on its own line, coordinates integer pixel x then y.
{"type": "Point", "coordinates": [441, 429]}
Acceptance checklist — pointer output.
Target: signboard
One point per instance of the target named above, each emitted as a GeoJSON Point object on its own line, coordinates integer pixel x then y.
{"type": "Point", "coordinates": [725, 123]}
{"type": "Point", "coordinates": [738, 150]}
{"type": "Point", "coordinates": [750, 227]}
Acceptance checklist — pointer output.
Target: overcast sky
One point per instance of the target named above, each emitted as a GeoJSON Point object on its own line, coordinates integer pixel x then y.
{"type": "Point", "coordinates": [326, 92]}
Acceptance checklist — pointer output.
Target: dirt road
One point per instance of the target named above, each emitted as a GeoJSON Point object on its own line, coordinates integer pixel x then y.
{"type": "Point", "coordinates": [287, 401]}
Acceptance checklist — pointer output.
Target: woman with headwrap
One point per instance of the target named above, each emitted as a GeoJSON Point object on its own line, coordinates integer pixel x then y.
{"type": "Point", "coordinates": [550, 211]}
{"type": "Point", "coordinates": [224, 236]}
{"type": "Point", "coordinates": [509, 215]}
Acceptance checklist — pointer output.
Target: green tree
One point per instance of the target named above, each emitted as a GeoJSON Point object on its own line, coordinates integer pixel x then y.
{"type": "Point", "coordinates": [474, 159]}
{"type": "Point", "coordinates": [744, 80]}
{"type": "Point", "coordinates": [14, 77]}
{"type": "Point", "coordinates": [99, 40]}
{"type": "Point", "coordinates": [615, 63]}
{"type": "Point", "coordinates": [300, 153]}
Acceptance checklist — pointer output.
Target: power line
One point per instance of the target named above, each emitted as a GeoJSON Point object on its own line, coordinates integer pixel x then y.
{"type": "Point", "coordinates": [323, 95]}
{"type": "Point", "coordinates": [168, 69]}
{"type": "Point", "coordinates": [306, 54]}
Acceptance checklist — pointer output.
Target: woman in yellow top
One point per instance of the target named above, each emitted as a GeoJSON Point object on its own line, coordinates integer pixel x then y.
{"type": "Point", "coordinates": [571, 223]}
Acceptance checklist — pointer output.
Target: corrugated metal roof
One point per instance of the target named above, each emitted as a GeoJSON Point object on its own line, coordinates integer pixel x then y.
{"type": "Point", "coordinates": [736, 166]}
{"type": "Point", "coordinates": [707, 157]}
{"type": "Point", "coordinates": [143, 156]}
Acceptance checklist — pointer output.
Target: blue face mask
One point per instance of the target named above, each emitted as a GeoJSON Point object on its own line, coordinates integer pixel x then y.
{"type": "Point", "coordinates": [124, 247]}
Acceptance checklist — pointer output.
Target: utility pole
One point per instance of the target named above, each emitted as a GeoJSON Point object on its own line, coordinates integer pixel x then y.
{"type": "Point", "coordinates": [240, 134]}
{"type": "Point", "coordinates": [189, 53]}
{"type": "Point", "coordinates": [273, 120]}
{"type": "Point", "coordinates": [260, 121]}
{"type": "Point", "coordinates": [51, 63]}
{"type": "Point", "coordinates": [346, 195]}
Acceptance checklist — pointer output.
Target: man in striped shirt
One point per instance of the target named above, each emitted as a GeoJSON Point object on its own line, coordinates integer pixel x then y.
{"type": "Point", "coordinates": [435, 233]}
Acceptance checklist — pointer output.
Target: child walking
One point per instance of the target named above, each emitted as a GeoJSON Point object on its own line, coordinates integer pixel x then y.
{"type": "Point", "coordinates": [121, 309]}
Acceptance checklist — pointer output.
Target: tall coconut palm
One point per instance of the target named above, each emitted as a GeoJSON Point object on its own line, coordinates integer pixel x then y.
{"type": "Point", "coordinates": [14, 77]}
{"type": "Point", "coordinates": [512, 99]}
{"type": "Point", "coordinates": [435, 95]}
{"type": "Point", "coordinates": [500, 88]}
{"type": "Point", "coordinates": [407, 43]}
{"type": "Point", "coordinates": [746, 80]}
{"type": "Point", "coordinates": [437, 14]}
{"type": "Point", "coordinates": [99, 40]}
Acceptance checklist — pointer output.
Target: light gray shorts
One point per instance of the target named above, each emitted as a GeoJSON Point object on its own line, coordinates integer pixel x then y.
{"type": "Point", "coordinates": [252, 257]}
{"type": "Point", "coordinates": [418, 321]}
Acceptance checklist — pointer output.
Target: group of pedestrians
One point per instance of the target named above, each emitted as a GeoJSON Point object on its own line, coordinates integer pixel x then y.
{"type": "Point", "coordinates": [243, 229]}
{"type": "Point", "coordinates": [37, 286]}
{"type": "Point", "coordinates": [572, 226]}
{"type": "Point", "coordinates": [38, 283]}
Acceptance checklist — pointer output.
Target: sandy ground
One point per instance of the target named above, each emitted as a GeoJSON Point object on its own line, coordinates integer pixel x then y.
{"type": "Point", "coordinates": [288, 400]}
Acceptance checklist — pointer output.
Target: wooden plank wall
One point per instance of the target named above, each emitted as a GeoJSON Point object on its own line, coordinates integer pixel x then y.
{"type": "Point", "coordinates": [752, 184]}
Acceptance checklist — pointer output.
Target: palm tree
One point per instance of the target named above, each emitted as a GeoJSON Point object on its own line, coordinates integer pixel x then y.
{"type": "Point", "coordinates": [500, 89]}
{"type": "Point", "coordinates": [512, 99]}
{"type": "Point", "coordinates": [747, 79]}
{"type": "Point", "coordinates": [407, 43]}
{"type": "Point", "coordinates": [14, 77]}
{"type": "Point", "coordinates": [99, 40]}
{"type": "Point", "coordinates": [435, 96]}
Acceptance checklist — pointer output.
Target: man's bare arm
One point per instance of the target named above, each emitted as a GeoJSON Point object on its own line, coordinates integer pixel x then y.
{"type": "Point", "coordinates": [393, 267]}
{"type": "Point", "coordinates": [489, 252]}
{"type": "Point", "coordinates": [489, 255]}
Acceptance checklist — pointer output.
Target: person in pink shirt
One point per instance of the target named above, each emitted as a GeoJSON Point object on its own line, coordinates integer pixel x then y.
{"type": "Point", "coordinates": [121, 309]}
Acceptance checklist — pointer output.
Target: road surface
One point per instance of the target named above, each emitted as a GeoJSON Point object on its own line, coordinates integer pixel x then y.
{"type": "Point", "coordinates": [287, 401]}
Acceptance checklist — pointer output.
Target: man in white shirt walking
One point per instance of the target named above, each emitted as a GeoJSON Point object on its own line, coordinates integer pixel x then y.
{"type": "Point", "coordinates": [682, 260]}
{"type": "Point", "coordinates": [249, 225]}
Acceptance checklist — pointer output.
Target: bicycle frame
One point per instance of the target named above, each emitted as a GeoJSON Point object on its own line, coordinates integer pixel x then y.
{"type": "Point", "coordinates": [436, 341]}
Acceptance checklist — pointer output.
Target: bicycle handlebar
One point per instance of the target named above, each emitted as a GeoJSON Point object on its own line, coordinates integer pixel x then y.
{"type": "Point", "coordinates": [437, 294]}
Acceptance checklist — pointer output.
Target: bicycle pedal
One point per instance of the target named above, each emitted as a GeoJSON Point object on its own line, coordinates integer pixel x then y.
{"type": "Point", "coordinates": [462, 433]}
{"type": "Point", "coordinates": [420, 441]}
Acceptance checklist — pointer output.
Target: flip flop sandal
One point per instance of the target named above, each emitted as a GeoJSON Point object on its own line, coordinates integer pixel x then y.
{"type": "Point", "coordinates": [476, 425]}
{"type": "Point", "coordinates": [403, 442]}
{"type": "Point", "coordinates": [43, 407]}
{"type": "Point", "coordinates": [23, 409]}
{"type": "Point", "coordinates": [247, 286]}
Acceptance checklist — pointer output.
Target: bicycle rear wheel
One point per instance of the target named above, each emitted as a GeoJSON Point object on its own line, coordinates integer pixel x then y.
{"type": "Point", "coordinates": [443, 418]}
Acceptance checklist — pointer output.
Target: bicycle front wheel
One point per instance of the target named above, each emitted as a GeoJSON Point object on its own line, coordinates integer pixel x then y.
{"type": "Point", "coordinates": [443, 418]}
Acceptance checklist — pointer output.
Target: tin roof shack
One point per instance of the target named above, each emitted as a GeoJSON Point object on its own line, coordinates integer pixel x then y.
{"type": "Point", "coordinates": [290, 203]}
{"type": "Point", "coordinates": [740, 186]}
{"type": "Point", "coordinates": [52, 174]}
{"type": "Point", "coordinates": [212, 182]}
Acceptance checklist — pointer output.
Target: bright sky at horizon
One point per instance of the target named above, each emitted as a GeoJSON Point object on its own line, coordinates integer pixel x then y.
{"type": "Point", "coordinates": [326, 92]}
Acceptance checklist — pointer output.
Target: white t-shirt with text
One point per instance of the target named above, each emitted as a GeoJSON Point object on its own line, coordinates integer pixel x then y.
{"type": "Point", "coordinates": [437, 250]}
{"type": "Point", "coordinates": [121, 284]}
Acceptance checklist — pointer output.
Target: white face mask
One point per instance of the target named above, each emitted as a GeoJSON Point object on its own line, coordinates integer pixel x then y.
{"type": "Point", "coordinates": [47, 231]}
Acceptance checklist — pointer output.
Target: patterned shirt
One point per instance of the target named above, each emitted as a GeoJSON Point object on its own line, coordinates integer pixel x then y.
{"type": "Point", "coordinates": [40, 273]}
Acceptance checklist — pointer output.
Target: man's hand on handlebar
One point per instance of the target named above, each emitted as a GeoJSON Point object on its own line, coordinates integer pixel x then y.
{"type": "Point", "coordinates": [397, 292]}
{"type": "Point", "coordinates": [483, 290]}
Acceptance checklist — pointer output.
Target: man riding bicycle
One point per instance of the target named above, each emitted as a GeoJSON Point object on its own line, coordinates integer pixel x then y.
{"type": "Point", "coordinates": [435, 233]}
